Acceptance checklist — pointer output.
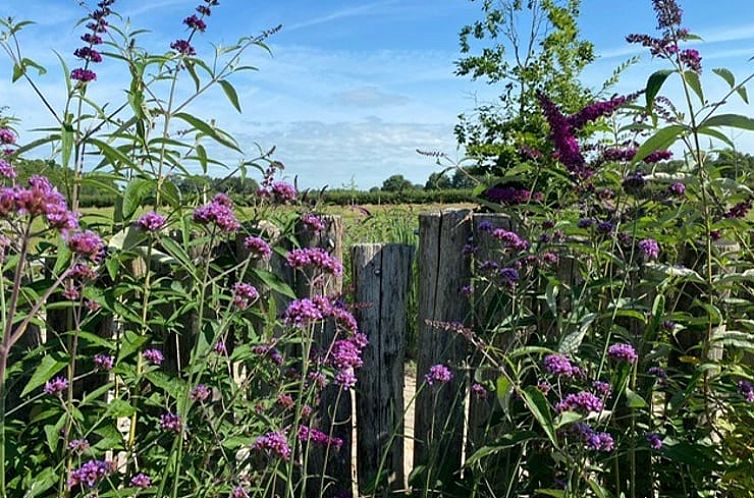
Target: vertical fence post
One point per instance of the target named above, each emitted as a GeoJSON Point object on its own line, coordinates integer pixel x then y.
{"type": "Point", "coordinates": [443, 271]}
{"type": "Point", "coordinates": [486, 312]}
{"type": "Point", "coordinates": [335, 405]}
{"type": "Point", "coordinates": [381, 277]}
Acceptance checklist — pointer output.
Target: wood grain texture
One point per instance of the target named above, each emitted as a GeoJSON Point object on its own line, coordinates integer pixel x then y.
{"type": "Point", "coordinates": [381, 276]}
{"type": "Point", "coordinates": [443, 271]}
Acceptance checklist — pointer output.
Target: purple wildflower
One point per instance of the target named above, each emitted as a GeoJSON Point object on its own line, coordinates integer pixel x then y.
{"type": "Point", "coordinates": [307, 434]}
{"type": "Point", "coordinates": [170, 422]}
{"type": "Point", "coordinates": [544, 387]}
{"type": "Point", "coordinates": [603, 388]}
{"type": "Point", "coordinates": [622, 352]}
{"type": "Point", "coordinates": [740, 210]}
{"type": "Point", "coordinates": [6, 170]}
{"type": "Point", "coordinates": [275, 443]}
{"type": "Point", "coordinates": [90, 473]}
{"type": "Point", "coordinates": [313, 221]}
{"type": "Point", "coordinates": [220, 347]}
{"type": "Point", "coordinates": [79, 446]}
{"type": "Point", "coordinates": [677, 189]}
{"type": "Point", "coordinates": [585, 223]}
{"type": "Point", "coordinates": [691, 59]}
{"type": "Point", "coordinates": [314, 257]}
{"type": "Point", "coordinates": [83, 76]}
{"type": "Point", "coordinates": [7, 137]}
{"type": "Point", "coordinates": [154, 356]}
{"type": "Point", "coordinates": [56, 386]}
{"type": "Point", "coordinates": [183, 47]}
{"type": "Point", "coordinates": [86, 244]}
{"type": "Point", "coordinates": [510, 239]}
{"type": "Point", "coordinates": [654, 440]}
{"type": "Point", "coordinates": [559, 364]}
{"type": "Point", "coordinates": [346, 378]}
{"type": "Point", "coordinates": [582, 402]}
{"type": "Point", "coordinates": [243, 295]}
{"type": "Point", "coordinates": [88, 54]}
{"type": "Point", "coordinates": [104, 362]}
{"type": "Point", "coordinates": [438, 373]}
{"type": "Point", "coordinates": [746, 389]}
{"type": "Point", "coordinates": [195, 22]}
{"type": "Point", "coordinates": [634, 183]}
{"type": "Point", "coordinates": [141, 480]}
{"type": "Point", "coordinates": [151, 221]}
{"type": "Point", "coordinates": [200, 393]}
{"type": "Point", "coordinates": [657, 156]}
{"type": "Point", "coordinates": [238, 491]}
{"type": "Point", "coordinates": [650, 248]}
{"type": "Point", "coordinates": [302, 312]}
{"type": "Point", "coordinates": [479, 391]}
{"type": "Point", "coordinates": [283, 192]}
{"type": "Point", "coordinates": [258, 247]}
{"type": "Point", "coordinates": [219, 212]}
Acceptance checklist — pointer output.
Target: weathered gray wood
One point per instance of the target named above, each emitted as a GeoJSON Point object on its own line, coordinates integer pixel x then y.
{"type": "Point", "coordinates": [381, 278]}
{"type": "Point", "coordinates": [333, 415]}
{"type": "Point", "coordinates": [487, 312]}
{"type": "Point", "coordinates": [443, 271]}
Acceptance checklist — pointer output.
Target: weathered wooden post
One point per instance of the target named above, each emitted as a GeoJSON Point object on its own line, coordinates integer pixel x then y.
{"type": "Point", "coordinates": [329, 469]}
{"type": "Point", "coordinates": [381, 277]}
{"type": "Point", "coordinates": [444, 270]}
{"type": "Point", "coordinates": [486, 312]}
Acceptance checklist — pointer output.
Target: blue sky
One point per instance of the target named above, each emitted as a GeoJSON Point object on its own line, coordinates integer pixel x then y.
{"type": "Point", "coordinates": [354, 87]}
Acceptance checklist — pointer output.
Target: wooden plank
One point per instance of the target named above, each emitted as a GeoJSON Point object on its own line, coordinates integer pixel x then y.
{"type": "Point", "coordinates": [381, 276]}
{"type": "Point", "coordinates": [328, 470]}
{"type": "Point", "coordinates": [443, 271]}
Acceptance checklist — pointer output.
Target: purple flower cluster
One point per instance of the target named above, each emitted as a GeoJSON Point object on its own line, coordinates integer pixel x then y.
{"type": "Point", "coordinates": [244, 294]}
{"type": "Point", "coordinates": [56, 386]}
{"type": "Point", "coordinates": [439, 374]}
{"type": "Point", "coordinates": [314, 257]}
{"type": "Point", "coordinates": [154, 356]}
{"type": "Point", "coordinates": [346, 357]}
{"type": "Point", "coordinates": [275, 443]}
{"type": "Point", "coordinates": [86, 244]}
{"type": "Point", "coordinates": [279, 192]}
{"type": "Point", "coordinates": [479, 391]}
{"type": "Point", "coordinates": [40, 198]}
{"type": "Point", "coordinates": [307, 434]}
{"type": "Point", "coordinates": [582, 402]}
{"type": "Point", "coordinates": [88, 54]}
{"type": "Point", "coordinates": [677, 189]}
{"type": "Point", "coordinates": [239, 492]}
{"type": "Point", "coordinates": [511, 195]}
{"type": "Point", "coordinates": [303, 312]}
{"type": "Point", "coordinates": [170, 422]}
{"type": "Point", "coordinates": [141, 480]}
{"type": "Point", "coordinates": [654, 440]}
{"type": "Point", "coordinates": [650, 248]}
{"type": "Point", "coordinates": [90, 474]}
{"type": "Point", "coordinates": [195, 23]}
{"type": "Point", "coordinates": [7, 137]}
{"type": "Point", "coordinates": [200, 393]}
{"type": "Point", "coordinates": [602, 388]}
{"type": "Point", "coordinates": [563, 130]}
{"type": "Point", "coordinates": [258, 247]}
{"type": "Point", "coordinates": [597, 441]}
{"type": "Point", "coordinates": [560, 365]}
{"type": "Point", "coordinates": [6, 170]}
{"type": "Point", "coordinates": [626, 154]}
{"type": "Point", "coordinates": [314, 222]}
{"type": "Point", "coordinates": [622, 352]}
{"type": "Point", "coordinates": [510, 239]}
{"type": "Point", "coordinates": [740, 210]}
{"type": "Point", "coordinates": [746, 389]}
{"type": "Point", "coordinates": [691, 59]}
{"type": "Point", "coordinates": [219, 212]}
{"type": "Point", "coordinates": [104, 362]}
{"type": "Point", "coordinates": [634, 183]}
{"type": "Point", "coordinates": [151, 221]}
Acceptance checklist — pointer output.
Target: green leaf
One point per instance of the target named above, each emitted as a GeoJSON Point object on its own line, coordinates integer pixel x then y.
{"type": "Point", "coordinates": [730, 120]}
{"type": "Point", "coordinates": [274, 282]}
{"type": "Point", "coordinates": [661, 140]}
{"type": "Point", "coordinates": [633, 400]}
{"type": "Point", "coordinates": [47, 368]}
{"type": "Point", "coordinates": [503, 443]}
{"type": "Point", "coordinates": [230, 91]}
{"type": "Point", "coordinates": [136, 191]}
{"type": "Point", "coordinates": [130, 344]}
{"type": "Point", "coordinates": [208, 130]}
{"type": "Point", "coordinates": [66, 134]}
{"type": "Point", "coordinates": [503, 390]}
{"type": "Point", "coordinates": [537, 404]}
{"type": "Point", "coordinates": [726, 75]}
{"type": "Point", "coordinates": [654, 84]}
{"type": "Point", "coordinates": [556, 493]}
{"type": "Point", "coordinates": [572, 341]}
{"type": "Point", "coordinates": [743, 94]}
{"type": "Point", "coordinates": [692, 79]}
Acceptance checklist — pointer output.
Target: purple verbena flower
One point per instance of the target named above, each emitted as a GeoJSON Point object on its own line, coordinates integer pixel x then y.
{"type": "Point", "coordinates": [154, 356]}
{"type": "Point", "coordinates": [677, 189]}
{"type": "Point", "coordinates": [313, 221]}
{"type": "Point", "coordinates": [86, 244]}
{"type": "Point", "coordinates": [141, 480]}
{"type": "Point", "coordinates": [196, 23]}
{"type": "Point", "coordinates": [56, 386]}
{"type": "Point", "coordinates": [79, 446]}
{"type": "Point", "coordinates": [438, 374]}
{"type": "Point", "coordinates": [314, 257]}
{"type": "Point", "coordinates": [151, 221]}
{"type": "Point", "coordinates": [90, 473]}
{"type": "Point", "coordinates": [582, 402]}
{"type": "Point", "coordinates": [302, 312]}
{"type": "Point", "coordinates": [258, 247]}
{"type": "Point", "coordinates": [183, 47]}
{"type": "Point", "coordinates": [7, 137]}
{"type": "Point", "coordinates": [654, 440]}
{"type": "Point", "coordinates": [200, 393]}
{"type": "Point", "coordinates": [170, 422]}
{"type": "Point", "coordinates": [275, 443]}
{"type": "Point", "coordinates": [622, 352]}
{"type": "Point", "coordinates": [650, 248]}
{"type": "Point", "coordinates": [244, 295]}
{"type": "Point", "coordinates": [559, 364]}
{"type": "Point", "coordinates": [308, 434]}
{"type": "Point", "coordinates": [83, 76]}
{"type": "Point", "coordinates": [104, 361]}
{"type": "Point", "coordinates": [479, 391]}
{"type": "Point", "coordinates": [746, 389]}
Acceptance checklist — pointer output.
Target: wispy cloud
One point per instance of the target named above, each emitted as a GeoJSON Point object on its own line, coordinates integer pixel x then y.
{"type": "Point", "coordinates": [368, 9]}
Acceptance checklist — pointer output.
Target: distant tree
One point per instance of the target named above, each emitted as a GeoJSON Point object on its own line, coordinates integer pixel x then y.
{"type": "Point", "coordinates": [438, 181]}
{"type": "Point", "coordinates": [397, 183]}
{"type": "Point", "coordinates": [462, 179]}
